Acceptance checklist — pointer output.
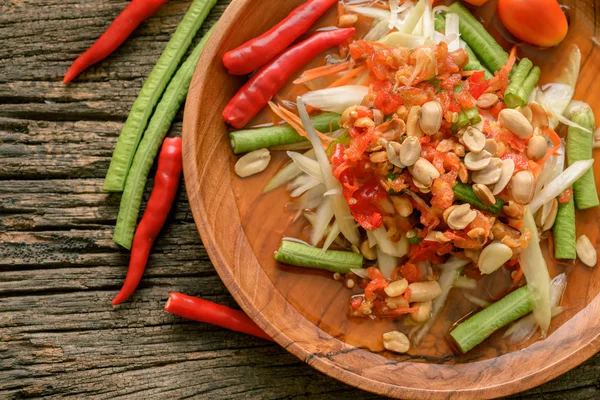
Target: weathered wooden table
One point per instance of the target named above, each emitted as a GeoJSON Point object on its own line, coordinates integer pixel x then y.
{"type": "Point", "coordinates": [59, 269]}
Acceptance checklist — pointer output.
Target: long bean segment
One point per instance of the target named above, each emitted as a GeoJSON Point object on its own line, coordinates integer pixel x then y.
{"type": "Point", "coordinates": [247, 140]}
{"type": "Point", "coordinates": [564, 231]}
{"type": "Point", "coordinates": [480, 326]}
{"type": "Point", "coordinates": [144, 156]}
{"type": "Point", "coordinates": [464, 192]}
{"type": "Point", "coordinates": [517, 78]}
{"type": "Point", "coordinates": [153, 88]}
{"type": "Point", "coordinates": [483, 44]}
{"type": "Point", "coordinates": [579, 147]}
{"type": "Point", "coordinates": [301, 255]}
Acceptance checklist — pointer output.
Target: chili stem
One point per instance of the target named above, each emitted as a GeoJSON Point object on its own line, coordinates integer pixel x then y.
{"type": "Point", "coordinates": [579, 147]}
{"type": "Point", "coordinates": [480, 326]}
{"type": "Point", "coordinates": [153, 88]}
{"type": "Point", "coordinates": [211, 313]}
{"type": "Point", "coordinates": [146, 153]}
{"type": "Point", "coordinates": [312, 257]}
{"type": "Point", "coordinates": [564, 231]}
{"type": "Point", "coordinates": [246, 140]}
{"type": "Point", "coordinates": [464, 192]}
{"type": "Point", "coordinates": [483, 44]}
{"type": "Point", "coordinates": [512, 96]}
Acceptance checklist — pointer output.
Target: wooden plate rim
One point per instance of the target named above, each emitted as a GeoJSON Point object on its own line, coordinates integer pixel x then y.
{"type": "Point", "coordinates": [321, 363]}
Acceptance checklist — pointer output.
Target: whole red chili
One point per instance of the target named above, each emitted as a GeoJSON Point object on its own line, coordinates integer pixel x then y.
{"type": "Point", "coordinates": [129, 19]}
{"type": "Point", "coordinates": [166, 182]}
{"type": "Point", "coordinates": [211, 313]}
{"type": "Point", "coordinates": [257, 52]}
{"type": "Point", "coordinates": [267, 81]}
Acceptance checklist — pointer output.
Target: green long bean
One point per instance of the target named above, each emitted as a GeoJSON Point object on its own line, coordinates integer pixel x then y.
{"type": "Point", "coordinates": [517, 78]}
{"type": "Point", "coordinates": [301, 255]}
{"type": "Point", "coordinates": [480, 326]}
{"type": "Point", "coordinates": [579, 147]}
{"type": "Point", "coordinates": [483, 44]}
{"type": "Point", "coordinates": [153, 88]}
{"type": "Point", "coordinates": [162, 118]}
{"type": "Point", "coordinates": [529, 84]}
{"type": "Point", "coordinates": [564, 231]}
{"type": "Point", "coordinates": [247, 140]}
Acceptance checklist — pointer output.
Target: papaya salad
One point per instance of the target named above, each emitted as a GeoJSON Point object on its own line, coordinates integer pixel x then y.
{"type": "Point", "coordinates": [424, 156]}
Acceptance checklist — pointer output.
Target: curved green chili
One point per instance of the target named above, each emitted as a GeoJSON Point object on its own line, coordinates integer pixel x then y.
{"type": "Point", "coordinates": [150, 94]}
{"type": "Point", "coordinates": [144, 156]}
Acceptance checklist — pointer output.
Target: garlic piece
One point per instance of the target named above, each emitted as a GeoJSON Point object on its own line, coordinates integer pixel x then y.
{"type": "Point", "coordinates": [585, 251]}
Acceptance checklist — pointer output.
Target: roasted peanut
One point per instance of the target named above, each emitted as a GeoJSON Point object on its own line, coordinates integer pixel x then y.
{"type": "Point", "coordinates": [396, 341]}
{"type": "Point", "coordinates": [493, 257]}
{"type": "Point", "coordinates": [368, 252]}
{"type": "Point", "coordinates": [508, 168]}
{"type": "Point", "coordinates": [477, 161]}
{"type": "Point", "coordinates": [461, 216]}
{"type": "Point", "coordinates": [252, 163]}
{"type": "Point", "coordinates": [484, 194]}
{"type": "Point", "coordinates": [490, 174]}
{"type": "Point", "coordinates": [487, 100]}
{"type": "Point", "coordinates": [431, 117]}
{"type": "Point", "coordinates": [474, 139]}
{"type": "Point", "coordinates": [402, 205]}
{"type": "Point", "coordinates": [515, 122]}
{"type": "Point", "coordinates": [585, 251]}
{"type": "Point", "coordinates": [424, 313]}
{"type": "Point", "coordinates": [424, 171]}
{"type": "Point", "coordinates": [410, 151]}
{"type": "Point", "coordinates": [522, 186]}
{"type": "Point", "coordinates": [396, 288]}
{"type": "Point", "coordinates": [413, 128]}
{"type": "Point", "coordinates": [378, 157]}
{"type": "Point", "coordinates": [537, 148]}
{"type": "Point", "coordinates": [424, 291]}
{"type": "Point", "coordinates": [347, 20]}
{"type": "Point", "coordinates": [513, 210]}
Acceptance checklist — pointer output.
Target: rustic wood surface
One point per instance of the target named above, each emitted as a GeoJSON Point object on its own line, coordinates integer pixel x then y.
{"type": "Point", "coordinates": [59, 269]}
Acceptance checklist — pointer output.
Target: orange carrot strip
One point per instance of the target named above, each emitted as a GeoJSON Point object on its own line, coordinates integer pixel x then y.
{"type": "Point", "coordinates": [320, 72]}
{"type": "Point", "coordinates": [346, 78]}
{"type": "Point", "coordinates": [291, 121]}
{"type": "Point", "coordinates": [555, 139]}
{"type": "Point", "coordinates": [518, 275]}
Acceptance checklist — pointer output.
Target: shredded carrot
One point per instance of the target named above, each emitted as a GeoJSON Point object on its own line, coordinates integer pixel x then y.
{"type": "Point", "coordinates": [294, 121]}
{"type": "Point", "coordinates": [407, 294]}
{"type": "Point", "coordinates": [535, 168]}
{"type": "Point", "coordinates": [518, 275]}
{"type": "Point", "coordinates": [500, 80]}
{"type": "Point", "coordinates": [349, 75]}
{"type": "Point", "coordinates": [320, 72]}
{"type": "Point", "coordinates": [555, 139]}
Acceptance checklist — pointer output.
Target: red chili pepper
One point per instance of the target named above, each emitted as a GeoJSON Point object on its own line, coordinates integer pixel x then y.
{"type": "Point", "coordinates": [211, 313]}
{"type": "Point", "coordinates": [129, 19]}
{"type": "Point", "coordinates": [166, 182]}
{"type": "Point", "coordinates": [267, 81]}
{"type": "Point", "coordinates": [257, 52]}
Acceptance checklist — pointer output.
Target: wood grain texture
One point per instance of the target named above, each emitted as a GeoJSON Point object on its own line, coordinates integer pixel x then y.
{"type": "Point", "coordinates": [59, 335]}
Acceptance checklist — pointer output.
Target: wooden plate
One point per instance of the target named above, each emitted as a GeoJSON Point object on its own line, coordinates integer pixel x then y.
{"type": "Point", "coordinates": [305, 313]}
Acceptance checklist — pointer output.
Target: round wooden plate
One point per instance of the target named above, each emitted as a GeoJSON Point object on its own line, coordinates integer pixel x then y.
{"type": "Point", "coordinates": [224, 205]}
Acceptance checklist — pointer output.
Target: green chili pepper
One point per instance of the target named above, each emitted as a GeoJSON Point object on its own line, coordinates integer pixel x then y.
{"type": "Point", "coordinates": [144, 156]}
{"type": "Point", "coordinates": [153, 88]}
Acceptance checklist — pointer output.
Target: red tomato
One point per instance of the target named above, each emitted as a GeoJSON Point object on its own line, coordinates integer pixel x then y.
{"type": "Point", "coordinates": [539, 22]}
{"type": "Point", "coordinates": [476, 2]}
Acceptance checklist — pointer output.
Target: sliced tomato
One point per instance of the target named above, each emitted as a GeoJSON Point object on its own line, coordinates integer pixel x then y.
{"type": "Point", "coordinates": [521, 163]}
